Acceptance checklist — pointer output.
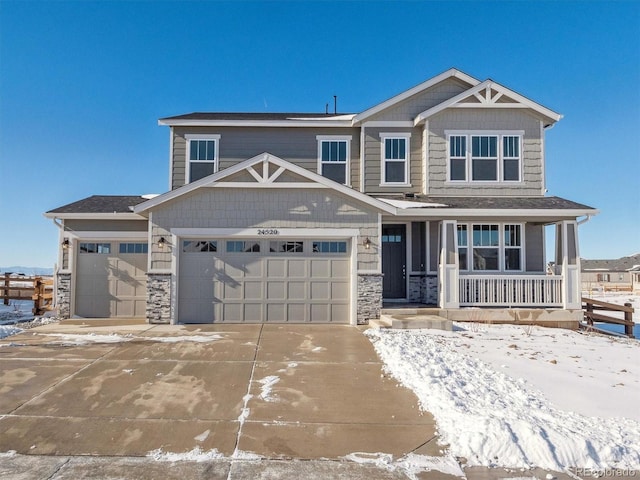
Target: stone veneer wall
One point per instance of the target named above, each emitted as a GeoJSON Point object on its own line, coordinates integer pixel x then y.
{"type": "Point", "coordinates": [423, 289]}
{"type": "Point", "coordinates": [158, 298]}
{"type": "Point", "coordinates": [369, 302]}
{"type": "Point", "coordinates": [63, 295]}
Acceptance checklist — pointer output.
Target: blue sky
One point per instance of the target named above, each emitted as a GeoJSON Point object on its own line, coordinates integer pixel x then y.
{"type": "Point", "coordinates": [82, 85]}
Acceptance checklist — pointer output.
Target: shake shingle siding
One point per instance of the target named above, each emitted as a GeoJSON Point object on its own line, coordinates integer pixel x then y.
{"type": "Point", "coordinates": [500, 120]}
{"type": "Point", "coordinates": [296, 145]}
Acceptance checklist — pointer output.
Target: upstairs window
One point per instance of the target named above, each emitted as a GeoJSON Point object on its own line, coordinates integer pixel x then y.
{"type": "Point", "coordinates": [202, 156]}
{"type": "Point", "coordinates": [395, 159]}
{"type": "Point", "coordinates": [484, 158]}
{"type": "Point", "coordinates": [333, 157]}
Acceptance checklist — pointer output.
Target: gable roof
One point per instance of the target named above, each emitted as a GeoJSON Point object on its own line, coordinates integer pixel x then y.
{"type": "Point", "coordinates": [112, 206]}
{"type": "Point", "coordinates": [487, 88]}
{"type": "Point", "coordinates": [265, 159]}
{"type": "Point", "coordinates": [614, 265]}
{"type": "Point", "coordinates": [451, 73]}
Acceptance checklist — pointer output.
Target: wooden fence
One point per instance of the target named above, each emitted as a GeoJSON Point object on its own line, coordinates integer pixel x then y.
{"type": "Point", "coordinates": [590, 315]}
{"type": "Point", "coordinates": [37, 289]}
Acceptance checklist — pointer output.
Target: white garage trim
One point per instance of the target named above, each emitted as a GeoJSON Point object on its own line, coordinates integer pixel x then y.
{"type": "Point", "coordinates": [90, 235]}
{"type": "Point", "coordinates": [349, 234]}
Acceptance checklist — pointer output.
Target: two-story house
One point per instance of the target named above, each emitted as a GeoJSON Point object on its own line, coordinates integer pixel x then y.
{"type": "Point", "coordinates": [435, 196]}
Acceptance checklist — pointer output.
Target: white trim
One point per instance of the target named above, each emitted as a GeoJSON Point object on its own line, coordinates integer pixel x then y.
{"type": "Point", "coordinates": [302, 185]}
{"type": "Point", "coordinates": [543, 190]}
{"type": "Point", "coordinates": [445, 213]}
{"type": "Point", "coordinates": [265, 157]}
{"type": "Point", "coordinates": [425, 158]}
{"type": "Point", "coordinates": [389, 123]}
{"type": "Point", "coordinates": [487, 86]}
{"type": "Point", "coordinates": [384, 136]}
{"type": "Point", "coordinates": [253, 232]}
{"type": "Point", "coordinates": [362, 141]}
{"type": "Point", "coordinates": [107, 235]}
{"type": "Point", "coordinates": [257, 123]}
{"type": "Point", "coordinates": [171, 132]}
{"type": "Point", "coordinates": [95, 216]}
{"type": "Point", "coordinates": [189, 137]}
{"type": "Point", "coordinates": [347, 163]}
{"type": "Point", "coordinates": [149, 241]}
{"type": "Point", "coordinates": [451, 73]}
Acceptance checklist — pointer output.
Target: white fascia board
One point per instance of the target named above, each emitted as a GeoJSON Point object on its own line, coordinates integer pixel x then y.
{"type": "Point", "coordinates": [453, 101]}
{"type": "Point", "coordinates": [255, 232]}
{"type": "Point", "coordinates": [95, 216]}
{"type": "Point", "coordinates": [486, 212]}
{"type": "Point", "coordinates": [110, 235]}
{"type": "Point", "coordinates": [412, 91]}
{"type": "Point", "coordinates": [256, 123]}
{"type": "Point", "coordinates": [211, 180]}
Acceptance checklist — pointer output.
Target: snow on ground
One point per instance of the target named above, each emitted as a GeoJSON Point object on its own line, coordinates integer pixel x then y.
{"type": "Point", "coordinates": [16, 311]}
{"type": "Point", "coordinates": [89, 338]}
{"type": "Point", "coordinates": [485, 390]}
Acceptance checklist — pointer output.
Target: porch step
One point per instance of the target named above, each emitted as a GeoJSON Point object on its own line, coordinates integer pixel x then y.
{"type": "Point", "coordinates": [410, 311]}
{"type": "Point", "coordinates": [408, 321]}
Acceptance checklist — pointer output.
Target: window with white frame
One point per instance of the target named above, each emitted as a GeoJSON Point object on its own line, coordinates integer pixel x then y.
{"type": "Point", "coordinates": [333, 157]}
{"type": "Point", "coordinates": [463, 247]}
{"type": "Point", "coordinates": [202, 156]}
{"type": "Point", "coordinates": [395, 158]}
{"type": "Point", "coordinates": [490, 247]}
{"type": "Point", "coordinates": [479, 157]}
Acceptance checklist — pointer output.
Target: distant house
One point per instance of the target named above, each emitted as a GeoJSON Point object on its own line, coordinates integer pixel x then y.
{"type": "Point", "coordinates": [618, 274]}
{"type": "Point", "coordinates": [434, 196]}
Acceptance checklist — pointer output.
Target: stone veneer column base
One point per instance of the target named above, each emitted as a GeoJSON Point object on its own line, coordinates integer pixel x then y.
{"type": "Point", "coordinates": [423, 288]}
{"type": "Point", "coordinates": [159, 298]}
{"type": "Point", "coordinates": [369, 301]}
{"type": "Point", "coordinates": [63, 295]}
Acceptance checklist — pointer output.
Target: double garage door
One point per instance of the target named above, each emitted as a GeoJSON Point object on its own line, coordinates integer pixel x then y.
{"type": "Point", "coordinates": [111, 279]}
{"type": "Point", "coordinates": [255, 281]}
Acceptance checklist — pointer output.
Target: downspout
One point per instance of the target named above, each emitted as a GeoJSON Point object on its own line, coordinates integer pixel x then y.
{"type": "Point", "coordinates": [584, 220]}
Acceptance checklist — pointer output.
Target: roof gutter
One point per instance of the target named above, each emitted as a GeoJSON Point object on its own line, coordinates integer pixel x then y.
{"type": "Point", "coordinates": [585, 219]}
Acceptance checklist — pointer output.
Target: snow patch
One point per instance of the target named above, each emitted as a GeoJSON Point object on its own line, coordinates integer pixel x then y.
{"type": "Point", "coordinates": [195, 455]}
{"type": "Point", "coordinates": [203, 436]}
{"type": "Point", "coordinates": [7, 331]}
{"type": "Point", "coordinates": [266, 389]}
{"type": "Point", "coordinates": [93, 338]}
{"type": "Point", "coordinates": [412, 464]}
{"type": "Point", "coordinates": [492, 419]}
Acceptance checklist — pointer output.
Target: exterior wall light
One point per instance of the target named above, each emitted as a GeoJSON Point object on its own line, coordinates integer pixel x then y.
{"type": "Point", "coordinates": [161, 242]}
{"type": "Point", "coordinates": [65, 243]}
{"type": "Point", "coordinates": [367, 243]}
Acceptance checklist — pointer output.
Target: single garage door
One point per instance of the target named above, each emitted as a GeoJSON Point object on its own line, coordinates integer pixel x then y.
{"type": "Point", "coordinates": [111, 280]}
{"type": "Point", "coordinates": [255, 281]}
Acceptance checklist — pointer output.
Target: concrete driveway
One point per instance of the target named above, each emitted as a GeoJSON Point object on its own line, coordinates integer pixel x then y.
{"type": "Point", "coordinates": [276, 391]}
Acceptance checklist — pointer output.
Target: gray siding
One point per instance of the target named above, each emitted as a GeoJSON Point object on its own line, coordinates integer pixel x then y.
{"type": "Point", "coordinates": [373, 165]}
{"type": "Point", "coordinates": [275, 208]}
{"type": "Point", "coordinates": [534, 248]}
{"type": "Point", "coordinates": [487, 119]}
{"type": "Point", "coordinates": [294, 144]}
{"type": "Point", "coordinates": [106, 225]}
{"type": "Point", "coordinates": [409, 108]}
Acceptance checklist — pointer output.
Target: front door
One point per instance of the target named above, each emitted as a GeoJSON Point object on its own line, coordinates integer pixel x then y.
{"type": "Point", "coordinates": [394, 261]}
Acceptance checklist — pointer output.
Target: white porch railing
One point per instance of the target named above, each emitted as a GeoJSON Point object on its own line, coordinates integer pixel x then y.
{"type": "Point", "coordinates": [511, 290]}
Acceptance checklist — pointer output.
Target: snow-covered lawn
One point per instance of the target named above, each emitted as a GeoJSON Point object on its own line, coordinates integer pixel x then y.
{"type": "Point", "coordinates": [514, 396]}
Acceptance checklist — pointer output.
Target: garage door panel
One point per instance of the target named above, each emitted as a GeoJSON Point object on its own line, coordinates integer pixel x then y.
{"type": "Point", "coordinates": [276, 268]}
{"type": "Point", "coordinates": [320, 291]}
{"type": "Point", "coordinates": [297, 268]}
{"type": "Point", "coordinates": [276, 290]}
{"type": "Point", "coordinates": [320, 269]}
{"type": "Point", "coordinates": [296, 290]}
{"type": "Point", "coordinates": [278, 284]}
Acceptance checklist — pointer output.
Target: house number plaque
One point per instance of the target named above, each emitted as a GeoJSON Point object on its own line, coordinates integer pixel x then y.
{"type": "Point", "coordinates": [268, 231]}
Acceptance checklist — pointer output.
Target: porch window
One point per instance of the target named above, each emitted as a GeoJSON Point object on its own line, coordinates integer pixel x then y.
{"type": "Point", "coordinates": [486, 247]}
{"type": "Point", "coordinates": [395, 159]}
{"type": "Point", "coordinates": [512, 247]}
{"type": "Point", "coordinates": [463, 247]}
{"type": "Point", "coordinates": [202, 156]}
{"type": "Point", "coordinates": [333, 157]}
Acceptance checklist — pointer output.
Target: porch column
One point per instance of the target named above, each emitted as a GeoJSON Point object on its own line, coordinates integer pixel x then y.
{"type": "Point", "coordinates": [568, 263]}
{"type": "Point", "coordinates": [448, 290]}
